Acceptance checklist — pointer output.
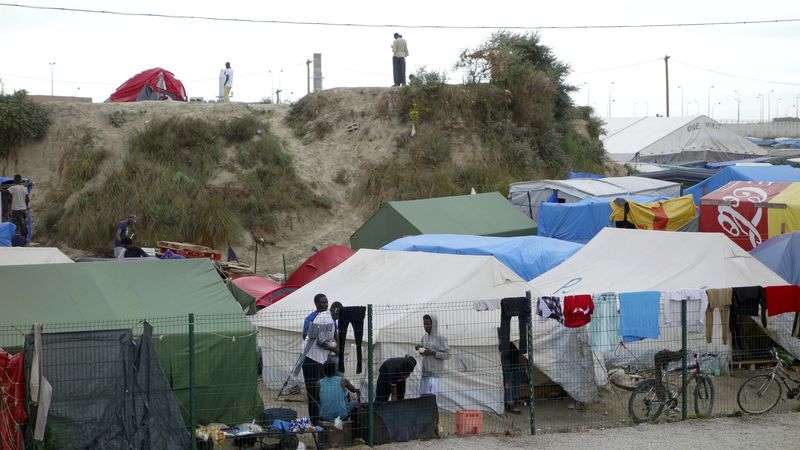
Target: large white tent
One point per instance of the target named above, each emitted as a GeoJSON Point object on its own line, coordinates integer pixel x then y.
{"type": "Point", "coordinates": [623, 260]}
{"type": "Point", "coordinates": [403, 286]}
{"type": "Point", "coordinates": [16, 256]}
{"type": "Point", "coordinates": [528, 195]}
{"type": "Point", "coordinates": [675, 140]}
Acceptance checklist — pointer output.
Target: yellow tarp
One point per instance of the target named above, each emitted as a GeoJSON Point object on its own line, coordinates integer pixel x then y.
{"type": "Point", "coordinates": [666, 215]}
{"type": "Point", "coordinates": [784, 220]}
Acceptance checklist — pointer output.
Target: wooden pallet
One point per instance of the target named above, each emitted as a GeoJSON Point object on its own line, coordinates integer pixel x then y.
{"type": "Point", "coordinates": [188, 250]}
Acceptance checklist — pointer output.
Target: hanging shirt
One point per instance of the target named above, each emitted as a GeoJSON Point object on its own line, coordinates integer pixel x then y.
{"type": "Point", "coordinates": [696, 305]}
{"type": "Point", "coordinates": [604, 328]}
{"type": "Point", "coordinates": [577, 310]}
{"type": "Point", "coordinates": [549, 308]}
{"type": "Point", "coordinates": [782, 299]}
{"type": "Point", "coordinates": [639, 315]}
{"type": "Point", "coordinates": [746, 302]}
{"type": "Point", "coordinates": [718, 299]}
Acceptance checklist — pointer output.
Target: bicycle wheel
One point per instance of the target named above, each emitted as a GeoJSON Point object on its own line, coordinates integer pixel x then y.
{"type": "Point", "coordinates": [703, 396]}
{"type": "Point", "coordinates": [759, 394]}
{"type": "Point", "coordinates": [643, 405]}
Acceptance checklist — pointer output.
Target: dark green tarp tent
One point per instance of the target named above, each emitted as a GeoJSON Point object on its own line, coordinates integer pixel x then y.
{"type": "Point", "coordinates": [101, 296]}
{"type": "Point", "coordinates": [488, 214]}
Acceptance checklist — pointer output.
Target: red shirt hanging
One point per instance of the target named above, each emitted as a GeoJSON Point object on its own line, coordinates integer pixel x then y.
{"type": "Point", "coordinates": [578, 310]}
{"type": "Point", "coordinates": [782, 299]}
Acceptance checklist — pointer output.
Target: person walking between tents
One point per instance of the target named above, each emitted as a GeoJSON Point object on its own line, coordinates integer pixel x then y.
{"type": "Point", "coordinates": [228, 82]}
{"type": "Point", "coordinates": [121, 232]}
{"type": "Point", "coordinates": [19, 205]}
{"type": "Point", "coordinates": [434, 350]}
{"type": "Point", "coordinates": [399, 55]}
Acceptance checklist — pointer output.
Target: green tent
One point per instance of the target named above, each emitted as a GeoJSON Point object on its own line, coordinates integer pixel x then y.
{"type": "Point", "coordinates": [116, 295]}
{"type": "Point", "coordinates": [488, 214]}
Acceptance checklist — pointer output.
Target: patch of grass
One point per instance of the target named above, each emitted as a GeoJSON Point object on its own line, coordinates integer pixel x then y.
{"type": "Point", "coordinates": [117, 118]}
{"type": "Point", "coordinates": [341, 177]}
{"type": "Point", "coordinates": [164, 179]}
{"type": "Point", "coordinates": [430, 148]}
{"type": "Point", "coordinates": [242, 129]}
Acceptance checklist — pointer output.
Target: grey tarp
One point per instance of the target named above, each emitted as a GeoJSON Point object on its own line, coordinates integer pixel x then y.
{"type": "Point", "coordinates": [109, 392]}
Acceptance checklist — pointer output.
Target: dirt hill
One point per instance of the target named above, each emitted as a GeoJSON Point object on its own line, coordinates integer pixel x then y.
{"type": "Point", "coordinates": [347, 131]}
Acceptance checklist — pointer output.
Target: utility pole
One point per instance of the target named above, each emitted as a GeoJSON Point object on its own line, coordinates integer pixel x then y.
{"type": "Point", "coordinates": [51, 78]}
{"type": "Point", "coordinates": [308, 76]}
{"type": "Point", "coordinates": [666, 71]}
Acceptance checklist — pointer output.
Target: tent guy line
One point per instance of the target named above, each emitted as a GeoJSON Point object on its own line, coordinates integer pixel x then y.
{"type": "Point", "coordinates": [367, 25]}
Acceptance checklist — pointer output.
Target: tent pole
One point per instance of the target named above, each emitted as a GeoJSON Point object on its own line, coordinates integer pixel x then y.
{"type": "Point", "coordinates": [284, 267]}
{"type": "Point", "coordinates": [529, 350]}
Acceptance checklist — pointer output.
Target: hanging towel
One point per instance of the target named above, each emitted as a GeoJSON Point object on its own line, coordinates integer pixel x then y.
{"type": "Point", "coordinates": [549, 308]}
{"type": "Point", "coordinates": [40, 389]}
{"type": "Point", "coordinates": [696, 305]}
{"type": "Point", "coordinates": [782, 299]}
{"type": "Point", "coordinates": [638, 315]}
{"type": "Point", "coordinates": [604, 328]}
{"type": "Point", "coordinates": [577, 310]}
{"type": "Point", "coordinates": [718, 299]}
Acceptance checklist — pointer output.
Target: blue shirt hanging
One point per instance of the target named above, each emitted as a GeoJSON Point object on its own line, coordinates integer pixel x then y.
{"type": "Point", "coordinates": [639, 315]}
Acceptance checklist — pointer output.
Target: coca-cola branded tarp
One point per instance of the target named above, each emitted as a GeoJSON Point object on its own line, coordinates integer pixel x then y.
{"type": "Point", "coordinates": [750, 212]}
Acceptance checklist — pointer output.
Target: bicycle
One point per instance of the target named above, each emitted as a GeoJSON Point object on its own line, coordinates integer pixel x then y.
{"type": "Point", "coordinates": [644, 404]}
{"type": "Point", "coordinates": [766, 389]}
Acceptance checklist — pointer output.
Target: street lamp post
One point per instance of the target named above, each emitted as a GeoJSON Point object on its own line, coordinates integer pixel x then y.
{"type": "Point", "coordinates": [796, 99]}
{"type": "Point", "coordinates": [709, 99]}
{"type": "Point", "coordinates": [51, 78]}
{"type": "Point", "coordinates": [769, 105]}
{"type": "Point", "coordinates": [271, 84]}
{"type": "Point", "coordinates": [609, 98]}
{"type": "Point", "coordinates": [778, 107]}
{"type": "Point", "coordinates": [738, 102]}
{"type": "Point", "coordinates": [681, 88]}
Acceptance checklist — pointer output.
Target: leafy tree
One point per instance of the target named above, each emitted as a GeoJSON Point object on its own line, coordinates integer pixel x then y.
{"type": "Point", "coordinates": [21, 121]}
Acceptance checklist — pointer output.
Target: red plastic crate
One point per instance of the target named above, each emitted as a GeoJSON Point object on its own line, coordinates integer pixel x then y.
{"type": "Point", "coordinates": [469, 422]}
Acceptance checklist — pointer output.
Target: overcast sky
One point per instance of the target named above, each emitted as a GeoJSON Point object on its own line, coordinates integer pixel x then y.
{"type": "Point", "coordinates": [95, 53]}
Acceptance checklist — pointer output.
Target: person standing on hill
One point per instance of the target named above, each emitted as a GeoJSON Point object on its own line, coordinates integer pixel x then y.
{"type": "Point", "coordinates": [399, 54]}
{"type": "Point", "coordinates": [19, 205]}
{"type": "Point", "coordinates": [228, 82]}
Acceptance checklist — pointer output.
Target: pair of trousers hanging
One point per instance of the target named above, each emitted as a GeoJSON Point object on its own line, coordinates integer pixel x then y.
{"type": "Point", "coordinates": [519, 307]}
{"type": "Point", "coordinates": [351, 315]}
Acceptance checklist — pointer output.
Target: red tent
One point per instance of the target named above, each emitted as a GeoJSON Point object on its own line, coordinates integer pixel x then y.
{"type": "Point", "coordinates": [152, 84]}
{"type": "Point", "coordinates": [316, 265]}
{"type": "Point", "coordinates": [319, 263]}
{"type": "Point", "coordinates": [256, 286]}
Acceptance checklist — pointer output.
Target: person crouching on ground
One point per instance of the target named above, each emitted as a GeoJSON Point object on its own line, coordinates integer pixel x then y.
{"type": "Point", "coordinates": [434, 350]}
{"type": "Point", "coordinates": [132, 251]}
{"type": "Point", "coordinates": [332, 395]}
{"type": "Point", "coordinates": [392, 377]}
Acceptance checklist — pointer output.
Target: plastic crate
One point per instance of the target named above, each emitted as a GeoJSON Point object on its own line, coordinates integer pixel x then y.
{"type": "Point", "coordinates": [469, 422]}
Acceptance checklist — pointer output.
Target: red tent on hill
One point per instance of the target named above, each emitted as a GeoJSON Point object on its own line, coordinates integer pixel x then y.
{"type": "Point", "coordinates": [316, 265]}
{"type": "Point", "coordinates": [152, 84]}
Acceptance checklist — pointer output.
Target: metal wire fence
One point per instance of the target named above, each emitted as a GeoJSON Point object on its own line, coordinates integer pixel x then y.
{"type": "Point", "coordinates": [477, 369]}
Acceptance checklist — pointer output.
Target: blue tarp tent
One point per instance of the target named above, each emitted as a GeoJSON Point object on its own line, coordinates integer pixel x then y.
{"type": "Point", "coordinates": [594, 176]}
{"type": "Point", "coordinates": [7, 229]}
{"type": "Point", "coordinates": [580, 222]}
{"type": "Point", "coordinates": [527, 256]}
{"type": "Point", "coordinates": [742, 173]}
{"type": "Point", "coordinates": [782, 255]}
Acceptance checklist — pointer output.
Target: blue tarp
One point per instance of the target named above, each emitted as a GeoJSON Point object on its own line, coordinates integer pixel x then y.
{"type": "Point", "coordinates": [527, 256]}
{"type": "Point", "coordinates": [594, 176]}
{"type": "Point", "coordinates": [782, 255]}
{"type": "Point", "coordinates": [7, 229]}
{"type": "Point", "coordinates": [742, 173]}
{"type": "Point", "coordinates": [580, 222]}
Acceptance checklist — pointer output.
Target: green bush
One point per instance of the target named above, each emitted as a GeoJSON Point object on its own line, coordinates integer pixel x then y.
{"type": "Point", "coordinates": [21, 121]}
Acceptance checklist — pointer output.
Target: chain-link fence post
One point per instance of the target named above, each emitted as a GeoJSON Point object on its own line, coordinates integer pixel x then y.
{"type": "Point", "coordinates": [370, 380]}
{"type": "Point", "coordinates": [529, 350]}
{"type": "Point", "coordinates": [684, 362]}
{"type": "Point", "coordinates": [192, 415]}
